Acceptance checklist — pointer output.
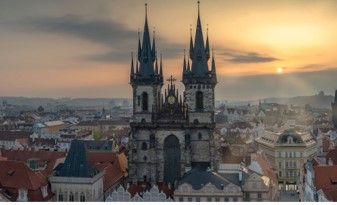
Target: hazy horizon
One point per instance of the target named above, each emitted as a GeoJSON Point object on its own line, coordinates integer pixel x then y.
{"type": "Point", "coordinates": [81, 48]}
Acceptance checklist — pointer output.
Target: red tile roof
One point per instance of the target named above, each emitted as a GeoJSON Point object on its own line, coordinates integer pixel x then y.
{"type": "Point", "coordinates": [13, 135]}
{"type": "Point", "coordinates": [266, 168]}
{"type": "Point", "coordinates": [45, 157]}
{"type": "Point", "coordinates": [18, 175]}
{"type": "Point", "coordinates": [326, 179]}
{"type": "Point", "coordinates": [333, 155]}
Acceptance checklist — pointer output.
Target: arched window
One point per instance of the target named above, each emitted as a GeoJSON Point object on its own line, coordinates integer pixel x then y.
{"type": "Point", "coordinates": [60, 196]}
{"type": "Point", "coordinates": [145, 101]}
{"type": "Point", "coordinates": [71, 196]}
{"type": "Point", "coordinates": [82, 197]}
{"type": "Point", "coordinates": [199, 100]}
{"type": "Point", "coordinates": [144, 146]}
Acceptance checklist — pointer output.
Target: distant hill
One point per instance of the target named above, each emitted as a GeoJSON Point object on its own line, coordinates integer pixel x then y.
{"type": "Point", "coordinates": [85, 102]}
{"type": "Point", "coordinates": [319, 101]}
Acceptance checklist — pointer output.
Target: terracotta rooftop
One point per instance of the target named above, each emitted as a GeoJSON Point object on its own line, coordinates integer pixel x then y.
{"type": "Point", "coordinates": [18, 175]}
{"type": "Point", "coordinates": [13, 135]}
{"type": "Point", "coordinates": [333, 155]}
{"type": "Point", "coordinates": [326, 179]}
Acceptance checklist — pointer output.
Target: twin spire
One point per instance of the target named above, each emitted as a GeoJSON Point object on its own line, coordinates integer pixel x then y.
{"type": "Point", "coordinates": [148, 70]}
{"type": "Point", "coordinates": [199, 54]}
{"type": "Point", "coordinates": [147, 58]}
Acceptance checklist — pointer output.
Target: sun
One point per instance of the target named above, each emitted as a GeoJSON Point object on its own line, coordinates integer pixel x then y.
{"type": "Point", "coordinates": [279, 70]}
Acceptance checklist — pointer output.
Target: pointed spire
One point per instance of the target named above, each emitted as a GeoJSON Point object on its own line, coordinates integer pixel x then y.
{"type": "Point", "coordinates": [184, 65]}
{"type": "Point", "coordinates": [132, 67]}
{"type": "Point", "coordinates": [161, 66]}
{"type": "Point", "coordinates": [154, 53]}
{"type": "Point", "coordinates": [191, 43]}
{"type": "Point", "coordinates": [139, 46]}
{"type": "Point", "coordinates": [156, 71]}
{"type": "Point", "coordinates": [213, 64]}
{"type": "Point", "coordinates": [207, 45]}
{"type": "Point", "coordinates": [188, 66]}
{"type": "Point", "coordinates": [146, 58]}
{"type": "Point", "coordinates": [137, 67]}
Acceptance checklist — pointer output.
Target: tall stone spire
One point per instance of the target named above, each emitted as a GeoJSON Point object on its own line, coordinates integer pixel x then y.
{"type": "Point", "coordinates": [132, 67]}
{"type": "Point", "coordinates": [139, 46]}
{"type": "Point", "coordinates": [207, 45]}
{"type": "Point", "coordinates": [199, 57]}
{"type": "Point", "coordinates": [213, 64]}
{"type": "Point", "coordinates": [161, 66]}
{"type": "Point", "coordinates": [184, 65]}
{"type": "Point", "coordinates": [146, 57]}
{"type": "Point", "coordinates": [191, 43]}
{"type": "Point", "coordinates": [154, 53]}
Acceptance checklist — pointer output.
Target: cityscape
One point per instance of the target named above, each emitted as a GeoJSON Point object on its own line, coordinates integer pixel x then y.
{"type": "Point", "coordinates": [178, 117]}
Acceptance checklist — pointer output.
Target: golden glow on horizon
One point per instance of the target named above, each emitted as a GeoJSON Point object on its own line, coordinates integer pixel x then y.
{"type": "Point", "coordinates": [279, 70]}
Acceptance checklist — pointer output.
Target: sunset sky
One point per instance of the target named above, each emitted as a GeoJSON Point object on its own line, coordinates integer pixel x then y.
{"type": "Point", "coordinates": [82, 48]}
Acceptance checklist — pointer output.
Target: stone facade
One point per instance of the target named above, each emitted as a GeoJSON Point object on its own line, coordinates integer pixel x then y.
{"type": "Point", "coordinates": [75, 188]}
{"type": "Point", "coordinates": [170, 132]}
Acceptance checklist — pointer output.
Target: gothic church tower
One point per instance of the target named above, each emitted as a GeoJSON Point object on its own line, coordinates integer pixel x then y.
{"type": "Point", "coordinates": [171, 133]}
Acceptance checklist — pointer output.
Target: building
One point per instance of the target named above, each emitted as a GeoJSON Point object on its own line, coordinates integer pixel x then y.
{"type": "Point", "coordinates": [90, 172]}
{"type": "Point", "coordinates": [286, 152]}
{"type": "Point", "coordinates": [141, 193]}
{"type": "Point", "coordinates": [334, 110]}
{"type": "Point", "coordinates": [171, 133]}
{"type": "Point", "coordinates": [204, 185]}
{"type": "Point", "coordinates": [14, 139]}
{"type": "Point", "coordinates": [20, 183]}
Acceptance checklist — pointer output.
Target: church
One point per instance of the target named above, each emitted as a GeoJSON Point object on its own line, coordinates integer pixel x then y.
{"type": "Point", "coordinates": [171, 133]}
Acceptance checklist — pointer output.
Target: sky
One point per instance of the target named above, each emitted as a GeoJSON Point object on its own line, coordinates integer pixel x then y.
{"type": "Point", "coordinates": [82, 48]}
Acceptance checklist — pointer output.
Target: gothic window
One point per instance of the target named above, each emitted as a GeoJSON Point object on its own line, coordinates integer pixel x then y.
{"type": "Point", "coordinates": [138, 100]}
{"type": "Point", "coordinates": [199, 100]}
{"type": "Point", "coordinates": [82, 197]}
{"type": "Point", "coordinates": [144, 146]}
{"type": "Point", "coordinates": [196, 121]}
{"type": "Point", "coordinates": [60, 196]}
{"type": "Point", "coordinates": [71, 196]}
{"type": "Point", "coordinates": [171, 159]}
{"type": "Point", "coordinates": [145, 158]}
{"type": "Point", "coordinates": [199, 86]}
{"type": "Point", "coordinates": [145, 101]}
{"type": "Point", "coordinates": [199, 136]}
{"type": "Point", "coordinates": [152, 141]}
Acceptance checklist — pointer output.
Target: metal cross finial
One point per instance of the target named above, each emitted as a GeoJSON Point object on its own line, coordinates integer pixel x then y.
{"type": "Point", "coordinates": [171, 79]}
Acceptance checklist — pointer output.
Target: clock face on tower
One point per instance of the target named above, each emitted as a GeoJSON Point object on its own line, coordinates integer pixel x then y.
{"type": "Point", "coordinates": [171, 99]}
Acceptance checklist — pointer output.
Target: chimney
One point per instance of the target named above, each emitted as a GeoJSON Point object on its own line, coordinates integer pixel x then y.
{"type": "Point", "coordinates": [330, 162]}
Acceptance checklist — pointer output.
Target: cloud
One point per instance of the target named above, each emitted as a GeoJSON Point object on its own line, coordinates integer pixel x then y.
{"type": "Point", "coordinates": [118, 37]}
{"type": "Point", "coordinates": [239, 56]}
{"type": "Point", "coordinates": [251, 58]}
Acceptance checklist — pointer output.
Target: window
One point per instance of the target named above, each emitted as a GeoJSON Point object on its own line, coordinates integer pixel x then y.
{"type": "Point", "coordinates": [280, 173]}
{"type": "Point", "coordinates": [280, 165]}
{"type": "Point", "coordinates": [217, 199]}
{"type": "Point", "coordinates": [209, 199]}
{"type": "Point", "coordinates": [199, 100]}
{"type": "Point", "coordinates": [82, 197]}
{"type": "Point", "coordinates": [247, 195]}
{"type": "Point", "coordinates": [145, 102]}
{"type": "Point", "coordinates": [259, 197]}
{"type": "Point", "coordinates": [71, 196]}
{"type": "Point", "coordinates": [144, 146]}
{"type": "Point", "coordinates": [181, 199]}
{"type": "Point", "coordinates": [286, 154]}
{"type": "Point", "coordinates": [138, 100]}
{"type": "Point", "coordinates": [235, 199]}
{"type": "Point", "coordinates": [290, 154]}
{"type": "Point", "coordinates": [279, 154]}
{"type": "Point", "coordinates": [145, 158]}
{"type": "Point", "coordinates": [197, 199]}
{"type": "Point", "coordinates": [286, 164]}
{"type": "Point", "coordinates": [226, 199]}
{"type": "Point", "coordinates": [189, 199]}
{"type": "Point", "coordinates": [254, 185]}
{"type": "Point", "coordinates": [60, 196]}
